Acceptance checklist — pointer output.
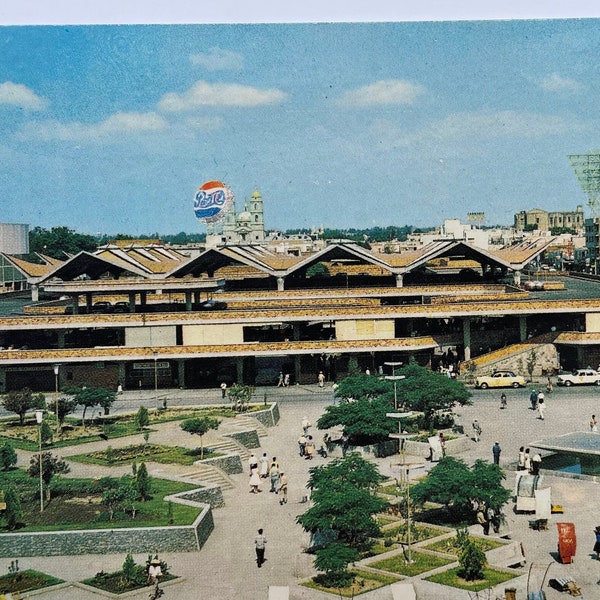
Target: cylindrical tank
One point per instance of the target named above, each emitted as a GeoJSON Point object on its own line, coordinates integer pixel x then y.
{"type": "Point", "coordinates": [14, 238]}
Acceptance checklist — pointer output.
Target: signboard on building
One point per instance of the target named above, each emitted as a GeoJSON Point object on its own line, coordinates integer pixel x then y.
{"type": "Point", "coordinates": [212, 201]}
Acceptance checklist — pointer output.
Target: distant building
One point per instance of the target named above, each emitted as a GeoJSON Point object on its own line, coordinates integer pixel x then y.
{"type": "Point", "coordinates": [14, 238]}
{"type": "Point", "coordinates": [541, 220]}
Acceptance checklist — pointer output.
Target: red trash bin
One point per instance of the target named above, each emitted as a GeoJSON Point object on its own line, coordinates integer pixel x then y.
{"type": "Point", "coordinates": [567, 542]}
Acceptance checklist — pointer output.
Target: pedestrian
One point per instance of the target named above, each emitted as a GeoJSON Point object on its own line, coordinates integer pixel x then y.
{"type": "Point", "coordinates": [503, 400]}
{"type": "Point", "coordinates": [305, 425]}
{"type": "Point", "coordinates": [527, 460]}
{"type": "Point", "coordinates": [367, 371]}
{"type": "Point", "coordinates": [223, 390]}
{"type": "Point", "coordinates": [302, 444]}
{"type": "Point", "coordinates": [496, 520]}
{"type": "Point", "coordinates": [274, 474]}
{"type": "Point", "coordinates": [252, 462]}
{"type": "Point", "coordinates": [255, 482]}
{"type": "Point", "coordinates": [443, 443]}
{"type": "Point", "coordinates": [321, 379]}
{"type": "Point", "coordinates": [496, 452]}
{"type": "Point", "coordinates": [533, 398]}
{"type": "Point", "coordinates": [593, 424]}
{"type": "Point", "coordinates": [280, 379]}
{"type": "Point", "coordinates": [282, 490]}
{"type": "Point", "coordinates": [597, 544]}
{"type": "Point", "coordinates": [119, 388]}
{"type": "Point", "coordinates": [549, 386]}
{"type": "Point", "coordinates": [476, 430]}
{"type": "Point", "coordinates": [260, 542]}
{"type": "Point", "coordinates": [345, 443]}
{"type": "Point", "coordinates": [541, 407]}
{"type": "Point", "coordinates": [482, 520]}
{"type": "Point", "coordinates": [286, 380]}
{"type": "Point", "coordinates": [264, 466]}
{"type": "Point", "coordinates": [309, 448]}
{"type": "Point", "coordinates": [536, 463]}
{"type": "Point", "coordinates": [521, 459]}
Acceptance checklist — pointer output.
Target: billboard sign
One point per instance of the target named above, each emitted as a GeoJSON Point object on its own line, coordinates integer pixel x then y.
{"type": "Point", "coordinates": [212, 201]}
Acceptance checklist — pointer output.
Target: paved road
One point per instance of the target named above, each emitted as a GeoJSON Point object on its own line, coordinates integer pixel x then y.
{"type": "Point", "coordinates": [225, 569]}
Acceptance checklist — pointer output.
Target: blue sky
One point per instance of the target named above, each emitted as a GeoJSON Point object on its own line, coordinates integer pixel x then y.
{"type": "Point", "coordinates": [112, 128]}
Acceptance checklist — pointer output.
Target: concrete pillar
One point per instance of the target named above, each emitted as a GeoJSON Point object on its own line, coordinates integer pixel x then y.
{"type": "Point", "coordinates": [297, 371]}
{"type": "Point", "coordinates": [131, 302]}
{"type": "Point", "coordinates": [188, 301]}
{"type": "Point", "coordinates": [581, 356]}
{"type": "Point", "coordinates": [75, 301]}
{"type": "Point", "coordinates": [296, 332]}
{"type": "Point", "coordinates": [399, 280]}
{"type": "Point", "coordinates": [467, 337]}
{"type": "Point", "coordinates": [517, 277]}
{"type": "Point", "coordinates": [60, 342]}
{"type": "Point", "coordinates": [197, 297]}
{"type": "Point", "coordinates": [143, 299]}
{"type": "Point", "coordinates": [181, 373]}
{"type": "Point", "coordinates": [35, 292]}
{"type": "Point", "coordinates": [122, 373]}
{"type": "Point", "coordinates": [88, 302]}
{"type": "Point", "coordinates": [522, 328]}
{"type": "Point", "coordinates": [239, 366]}
{"type": "Point", "coordinates": [280, 284]}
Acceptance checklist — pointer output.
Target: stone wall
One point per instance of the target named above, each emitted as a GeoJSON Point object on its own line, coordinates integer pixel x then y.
{"type": "Point", "coordinates": [248, 439]}
{"type": "Point", "coordinates": [211, 495]}
{"type": "Point", "coordinates": [109, 541]}
{"type": "Point", "coordinates": [268, 417]}
{"type": "Point", "coordinates": [229, 463]}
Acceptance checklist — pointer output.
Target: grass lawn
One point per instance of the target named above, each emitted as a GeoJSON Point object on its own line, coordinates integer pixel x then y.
{"type": "Point", "coordinates": [144, 452]}
{"type": "Point", "coordinates": [421, 563]}
{"type": "Point", "coordinates": [419, 532]}
{"type": "Point", "coordinates": [450, 545]}
{"type": "Point", "coordinates": [76, 504]}
{"type": "Point", "coordinates": [116, 583]}
{"type": "Point", "coordinates": [492, 579]}
{"type": "Point", "coordinates": [26, 581]}
{"type": "Point", "coordinates": [363, 582]}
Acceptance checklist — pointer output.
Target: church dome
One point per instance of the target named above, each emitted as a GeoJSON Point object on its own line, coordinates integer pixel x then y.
{"type": "Point", "coordinates": [244, 217]}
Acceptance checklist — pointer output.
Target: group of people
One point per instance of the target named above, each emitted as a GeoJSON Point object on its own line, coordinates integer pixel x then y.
{"type": "Point", "coordinates": [538, 402]}
{"type": "Point", "coordinates": [264, 469]}
{"type": "Point", "coordinates": [528, 463]}
{"type": "Point", "coordinates": [486, 516]}
{"type": "Point", "coordinates": [283, 380]}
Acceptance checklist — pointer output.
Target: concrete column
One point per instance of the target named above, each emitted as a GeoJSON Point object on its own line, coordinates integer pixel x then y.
{"type": "Point", "coordinates": [131, 302]}
{"type": "Point", "coordinates": [399, 280]}
{"type": "Point", "coordinates": [197, 297]}
{"type": "Point", "coordinates": [35, 292]}
{"type": "Point", "coordinates": [75, 301]}
{"type": "Point", "coordinates": [239, 365]}
{"type": "Point", "coordinates": [143, 298]}
{"type": "Point", "coordinates": [88, 302]}
{"type": "Point", "coordinates": [188, 301]}
{"type": "Point", "coordinates": [517, 277]}
{"type": "Point", "coordinates": [522, 328]}
{"type": "Point", "coordinates": [60, 342]}
{"type": "Point", "coordinates": [581, 357]}
{"type": "Point", "coordinates": [181, 373]}
{"type": "Point", "coordinates": [122, 373]}
{"type": "Point", "coordinates": [297, 371]}
{"type": "Point", "coordinates": [467, 337]}
{"type": "Point", "coordinates": [296, 332]}
{"type": "Point", "coordinates": [280, 284]}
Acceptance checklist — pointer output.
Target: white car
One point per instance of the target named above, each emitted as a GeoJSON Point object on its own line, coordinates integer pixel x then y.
{"type": "Point", "coordinates": [500, 379]}
{"type": "Point", "coordinates": [580, 377]}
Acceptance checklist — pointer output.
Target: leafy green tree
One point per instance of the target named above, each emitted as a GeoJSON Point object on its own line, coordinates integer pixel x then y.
{"type": "Point", "coordinates": [353, 367]}
{"type": "Point", "coordinates": [51, 466]}
{"type": "Point", "coordinates": [471, 561]}
{"type": "Point", "coordinates": [452, 483]}
{"type": "Point", "coordinates": [89, 397]}
{"type": "Point", "coordinates": [200, 426]}
{"type": "Point", "coordinates": [344, 499]}
{"type": "Point", "coordinates": [317, 270]}
{"type": "Point", "coordinates": [22, 401]}
{"type": "Point", "coordinates": [143, 483]}
{"type": "Point", "coordinates": [142, 418]}
{"type": "Point", "coordinates": [531, 362]}
{"type": "Point", "coordinates": [129, 569]}
{"type": "Point", "coordinates": [240, 395]}
{"type": "Point", "coordinates": [8, 456]}
{"type": "Point", "coordinates": [116, 498]}
{"type": "Point", "coordinates": [333, 560]}
{"type": "Point", "coordinates": [13, 512]}
{"type": "Point", "coordinates": [46, 433]}
{"type": "Point", "coordinates": [59, 242]}
{"type": "Point", "coordinates": [66, 406]}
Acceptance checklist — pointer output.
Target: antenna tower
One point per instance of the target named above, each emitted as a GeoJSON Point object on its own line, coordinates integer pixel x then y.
{"type": "Point", "coordinates": [587, 171]}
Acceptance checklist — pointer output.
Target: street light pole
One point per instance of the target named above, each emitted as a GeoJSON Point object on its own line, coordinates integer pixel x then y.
{"type": "Point", "coordinates": [56, 371]}
{"type": "Point", "coordinates": [39, 416]}
{"type": "Point", "coordinates": [155, 353]}
{"type": "Point", "coordinates": [395, 378]}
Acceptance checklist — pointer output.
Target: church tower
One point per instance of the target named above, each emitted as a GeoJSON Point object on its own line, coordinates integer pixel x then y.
{"type": "Point", "coordinates": [257, 223]}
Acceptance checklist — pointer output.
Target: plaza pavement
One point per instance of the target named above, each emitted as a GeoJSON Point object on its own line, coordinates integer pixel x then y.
{"type": "Point", "coordinates": [225, 567]}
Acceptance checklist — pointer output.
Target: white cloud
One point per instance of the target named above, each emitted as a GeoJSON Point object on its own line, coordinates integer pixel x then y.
{"type": "Point", "coordinates": [217, 59]}
{"type": "Point", "coordinates": [483, 125]}
{"type": "Point", "coordinates": [219, 94]}
{"type": "Point", "coordinates": [390, 91]}
{"type": "Point", "coordinates": [120, 122]}
{"type": "Point", "coordinates": [17, 94]}
{"type": "Point", "coordinates": [204, 123]}
{"type": "Point", "coordinates": [557, 83]}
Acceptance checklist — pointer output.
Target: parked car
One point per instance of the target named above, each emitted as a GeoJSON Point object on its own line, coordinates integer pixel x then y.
{"type": "Point", "coordinates": [212, 305]}
{"type": "Point", "coordinates": [102, 307]}
{"type": "Point", "coordinates": [121, 307]}
{"type": "Point", "coordinates": [579, 377]}
{"type": "Point", "coordinates": [500, 379]}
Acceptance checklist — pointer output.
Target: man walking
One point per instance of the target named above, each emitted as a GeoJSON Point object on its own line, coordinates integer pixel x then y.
{"type": "Point", "coordinates": [496, 452]}
{"type": "Point", "coordinates": [533, 398]}
{"type": "Point", "coordinates": [476, 430]}
{"type": "Point", "coordinates": [260, 542]}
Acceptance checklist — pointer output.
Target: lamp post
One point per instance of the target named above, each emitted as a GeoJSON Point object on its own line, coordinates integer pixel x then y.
{"type": "Point", "coordinates": [395, 378]}
{"type": "Point", "coordinates": [56, 371]}
{"type": "Point", "coordinates": [39, 417]}
{"type": "Point", "coordinates": [155, 354]}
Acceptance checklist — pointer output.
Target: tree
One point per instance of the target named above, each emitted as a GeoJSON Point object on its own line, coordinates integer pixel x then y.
{"type": "Point", "coordinates": [317, 270]}
{"type": "Point", "coordinates": [114, 499]}
{"type": "Point", "coordinates": [51, 466]}
{"type": "Point", "coordinates": [142, 418]}
{"type": "Point", "coordinates": [531, 361]}
{"type": "Point", "coordinates": [240, 395]}
{"type": "Point", "coordinates": [13, 512]}
{"type": "Point", "coordinates": [200, 426]}
{"type": "Point", "coordinates": [452, 483]}
{"type": "Point", "coordinates": [333, 560]}
{"type": "Point", "coordinates": [8, 456]}
{"type": "Point", "coordinates": [22, 401]}
{"type": "Point", "coordinates": [129, 568]}
{"type": "Point", "coordinates": [59, 242]}
{"type": "Point", "coordinates": [143, 483]}
{"type": "Point", "coordinates": [471, 559]}
{"type": "Point", "coordinates": [66, 406]}
{"type": "Point", "coordinates": [344, 499]}
{"type": "Point", "coordinates": [91, 396]}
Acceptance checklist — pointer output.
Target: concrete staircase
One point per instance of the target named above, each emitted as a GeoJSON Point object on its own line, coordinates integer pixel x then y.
{"type": "Point", "coordinates": [206, 475]}
{"type": "Point", "coordinates": [245, 422]}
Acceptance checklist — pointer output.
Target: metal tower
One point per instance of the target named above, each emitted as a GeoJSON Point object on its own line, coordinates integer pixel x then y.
{"type": "Point", "coordinates": [587, 171]}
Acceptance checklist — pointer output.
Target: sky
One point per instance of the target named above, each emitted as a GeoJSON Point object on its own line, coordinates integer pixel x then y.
{"type": "Point", "coordinates": [112, 128]}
